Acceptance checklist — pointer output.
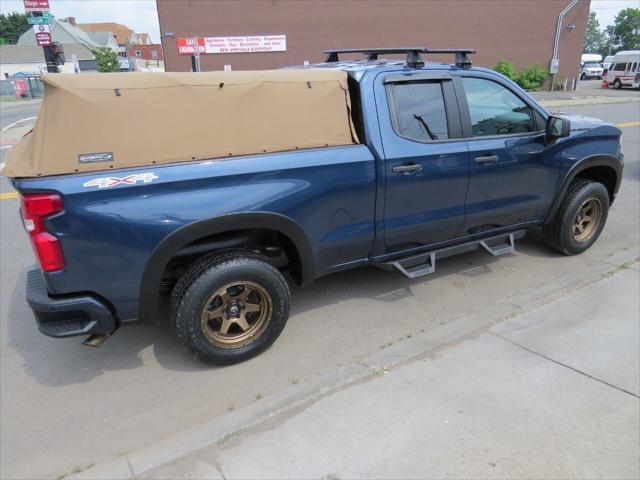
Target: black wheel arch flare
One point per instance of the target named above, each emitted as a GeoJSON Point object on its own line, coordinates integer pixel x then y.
{"type": "Point", "coordinates": [164, 251]}
{"type": "Point", "coordinates": [600, 160]}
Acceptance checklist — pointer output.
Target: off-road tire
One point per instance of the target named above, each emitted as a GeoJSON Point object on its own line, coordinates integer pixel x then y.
{"type": "Point", "coordinates": [617, 84]}
{"type": "Point", "coordinates": [195, 287]}
{"type": "Point", "coordinates": [559, 234]}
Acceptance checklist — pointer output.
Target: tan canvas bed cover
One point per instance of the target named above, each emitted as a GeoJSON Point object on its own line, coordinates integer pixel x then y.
{"type": "Point", "coordinates": [92, 122]}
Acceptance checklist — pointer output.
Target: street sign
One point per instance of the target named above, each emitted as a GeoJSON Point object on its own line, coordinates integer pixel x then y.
{"type": "Point", "coordinates": [45, 19]}
{"type": "Point", "coordinates": [43, 35]}
{"type": "Point", "coordinates": [36, 5]}
{"type": "Point", "coordinates": [43, 39]}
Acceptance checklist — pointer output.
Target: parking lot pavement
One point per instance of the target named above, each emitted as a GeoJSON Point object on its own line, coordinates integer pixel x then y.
{"type": "Point", "coordinates": [66, 406]}
{"type": "Point", "coordinates": [587, 88]}
{"type": "Point", "coordinates": [588, 93]}
{"type": "Point", "coordinates": [549, 394]}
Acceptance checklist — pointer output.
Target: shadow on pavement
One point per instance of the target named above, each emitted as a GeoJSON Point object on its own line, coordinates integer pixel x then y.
{"type": "Point", "coordinates": [58, 362]}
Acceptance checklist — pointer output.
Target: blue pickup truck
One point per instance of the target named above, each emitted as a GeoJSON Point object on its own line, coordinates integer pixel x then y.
{"type": "Point", "coordinates": [446, 158]}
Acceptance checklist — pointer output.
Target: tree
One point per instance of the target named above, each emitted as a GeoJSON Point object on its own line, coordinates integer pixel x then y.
{"type": "Point", "coordinates": [12, 25]}
{"type": "Point", "coordinates": [594, 39]}
{"type": "Point", "coordinates": [624, 34]}
{"type": "Point", "coordinates": [106, 59]}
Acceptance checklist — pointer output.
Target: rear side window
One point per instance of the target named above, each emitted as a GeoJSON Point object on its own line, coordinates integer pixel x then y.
{"type": "Point", "coordinates": [419, 111]}
{"type": "Point", "coordinates": [619, 67]}
{"type": "Point", "coordinates": [496, 110]}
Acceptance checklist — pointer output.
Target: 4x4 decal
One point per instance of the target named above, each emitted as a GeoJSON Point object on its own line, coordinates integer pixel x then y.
{"type": "Point", "coordinates": [106, 182]}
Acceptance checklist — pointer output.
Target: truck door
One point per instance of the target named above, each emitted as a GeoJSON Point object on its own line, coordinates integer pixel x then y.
{"type": "Point", "coordinates": [512, 181]}
{"type": "Point", "coordinates": [426, 166]}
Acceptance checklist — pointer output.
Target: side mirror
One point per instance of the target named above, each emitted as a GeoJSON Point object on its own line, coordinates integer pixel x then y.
{"type": "Point", "coordinates": [557, 127]}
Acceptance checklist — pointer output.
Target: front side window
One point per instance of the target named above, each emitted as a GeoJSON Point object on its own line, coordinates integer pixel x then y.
{"type": "Point", "coordinates": [419, 111]}
{"type": "Point", "coordinates": [619, 67]}
{"type": "Point", "coordinates": [495, 110]}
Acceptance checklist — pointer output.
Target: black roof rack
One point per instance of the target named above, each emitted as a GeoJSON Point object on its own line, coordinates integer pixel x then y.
{"type": "Point", "coordinates": [413, 54]}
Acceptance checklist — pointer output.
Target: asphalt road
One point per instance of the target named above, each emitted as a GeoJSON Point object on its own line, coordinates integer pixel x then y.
{"type": "Point", "coordinates": [12, 112]}
{"type": "Point", "coordinates": [20, 113]}
{"type": "Point", "coordinates": [66, 406]}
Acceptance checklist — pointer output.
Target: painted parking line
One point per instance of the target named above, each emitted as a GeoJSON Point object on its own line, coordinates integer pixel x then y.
{"type": "Point", "coordinates": [22, 120]}
{"type": "Point", "coordinates": [628, 124]}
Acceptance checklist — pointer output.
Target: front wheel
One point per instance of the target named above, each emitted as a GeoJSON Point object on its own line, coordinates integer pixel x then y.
{"type": "Point", "coordinates": [230, 307]}
{"type": "Point", "coordinates": [617, 84]}
{"type": "Point", "coordinates": [580, 218]}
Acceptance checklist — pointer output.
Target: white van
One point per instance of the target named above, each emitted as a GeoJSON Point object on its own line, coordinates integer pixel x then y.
{"type": "Point", "coordinates": [606, 63]}
{"type": "Point", "coordinates": [590, 58]}
{"type": "Point", "coordinates": [625, 69]}
{"type": "Point", "coordinates": [590, 66]}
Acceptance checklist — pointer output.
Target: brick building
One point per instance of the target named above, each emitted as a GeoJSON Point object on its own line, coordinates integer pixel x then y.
{"type": "Point", "coordinates": [522, 31]}
{"type": "Point", "coordinates": [150, 52]}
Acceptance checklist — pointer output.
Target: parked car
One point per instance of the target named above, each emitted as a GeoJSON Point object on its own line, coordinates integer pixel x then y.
{"type": "Point", "coordinates": [235, 184]}
{"type": "Point", "coordinates": [591, 70]}
{"type": "Point", "coordinates": [625, 70]}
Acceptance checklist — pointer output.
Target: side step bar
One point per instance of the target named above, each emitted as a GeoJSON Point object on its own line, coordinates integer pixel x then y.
{"type": "Point", "coordinates": [425, 263]}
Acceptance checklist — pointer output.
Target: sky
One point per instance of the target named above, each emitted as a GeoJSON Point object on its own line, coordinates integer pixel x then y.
{"type": "Point", "coordinates": [142, 16]}
{"type": "Point", "coordinates": [606, 10]}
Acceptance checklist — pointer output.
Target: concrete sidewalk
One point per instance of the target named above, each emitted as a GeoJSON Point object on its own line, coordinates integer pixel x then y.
{"type": "Point", "coordinates": [549, 394]}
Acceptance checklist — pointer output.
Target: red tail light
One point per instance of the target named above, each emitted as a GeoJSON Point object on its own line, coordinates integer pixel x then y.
{"type": "Point", "coordinates": [35, 209]}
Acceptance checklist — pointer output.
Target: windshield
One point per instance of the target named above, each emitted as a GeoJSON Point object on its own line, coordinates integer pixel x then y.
{"type": "Point", "coordinates": [592, 65]}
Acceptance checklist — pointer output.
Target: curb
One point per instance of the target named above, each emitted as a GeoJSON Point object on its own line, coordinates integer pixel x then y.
{"type": "Point", "coordinates": [295, 398]}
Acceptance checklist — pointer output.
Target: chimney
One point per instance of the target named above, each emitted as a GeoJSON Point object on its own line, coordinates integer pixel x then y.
{"type": "Point", "coordinates": [72, 20]}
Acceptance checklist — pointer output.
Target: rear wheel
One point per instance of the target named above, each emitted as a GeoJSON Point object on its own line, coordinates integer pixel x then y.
{"type": "Point", "coordinates": [580, 218]}
{"type": "Point", "coordinates": [228, 308]}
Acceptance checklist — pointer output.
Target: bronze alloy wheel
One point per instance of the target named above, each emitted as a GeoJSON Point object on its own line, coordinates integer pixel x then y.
{"type": "Point", "coordinates": [236, 314]}
{"type": "Point", "coordinates": [587, 220]}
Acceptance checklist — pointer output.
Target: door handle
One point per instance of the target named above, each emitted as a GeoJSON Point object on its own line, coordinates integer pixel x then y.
{"type": "Point", "coordinates": [407, 169]}
{"type": "Point", "coordinates": [486, 159]}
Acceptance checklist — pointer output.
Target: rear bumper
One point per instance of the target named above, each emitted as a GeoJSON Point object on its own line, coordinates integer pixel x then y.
{"type": "Point", "coordinates": [67, 316]}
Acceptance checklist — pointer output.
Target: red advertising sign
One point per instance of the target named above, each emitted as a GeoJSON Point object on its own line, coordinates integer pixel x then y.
{"type": "Point", "coordinates": [185, 45]}
{"type": "Point", "coordinates": [36, 5]}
